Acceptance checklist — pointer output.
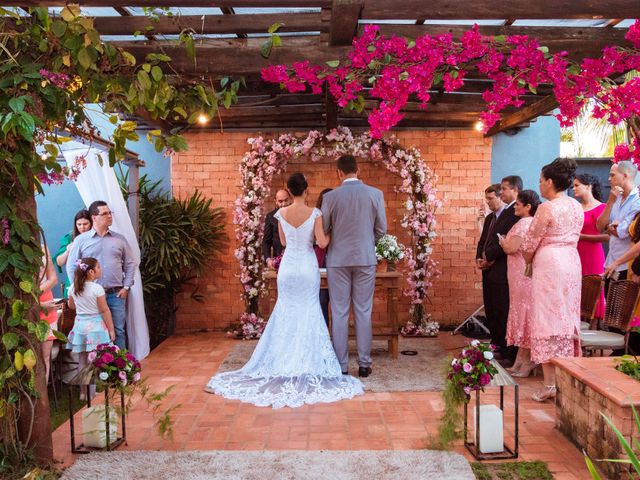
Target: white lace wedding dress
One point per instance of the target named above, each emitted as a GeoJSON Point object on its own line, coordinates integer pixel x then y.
{"type": "Point", "coordinates": [294, 362]}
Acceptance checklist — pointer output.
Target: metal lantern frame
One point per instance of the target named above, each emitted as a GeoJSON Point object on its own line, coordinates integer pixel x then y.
{"type": "Point", "coordinates": [501, 380]}
{"type": "Point", "coordinates": [119, 440]}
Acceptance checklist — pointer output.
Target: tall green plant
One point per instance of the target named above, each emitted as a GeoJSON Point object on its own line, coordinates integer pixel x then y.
{"type": "Point", "coordinates": [178, 238]}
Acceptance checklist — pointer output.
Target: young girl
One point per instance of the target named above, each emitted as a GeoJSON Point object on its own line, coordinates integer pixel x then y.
{"type": "Point", "coordinates": [93, 324]}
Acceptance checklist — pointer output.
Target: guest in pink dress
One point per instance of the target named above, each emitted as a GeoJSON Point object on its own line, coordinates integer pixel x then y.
{"type": "Point", "coordinates": [518, 332]}
{"type": "Point", "coordinates": [587, 190]}
{"type": "Point", "coordinates": [551, 247]}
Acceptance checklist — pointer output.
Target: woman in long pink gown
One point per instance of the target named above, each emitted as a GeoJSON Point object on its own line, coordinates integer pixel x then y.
{"type": "Point", "coordinates": [551, 247]}
{"type": "Point", "coordinates": [518, 329]}
{"type": "Point", "coordinates": [587, 190]}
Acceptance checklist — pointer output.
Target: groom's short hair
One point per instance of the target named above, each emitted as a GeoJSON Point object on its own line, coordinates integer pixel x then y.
{"type": "Point", "coordinates": [347, 164]}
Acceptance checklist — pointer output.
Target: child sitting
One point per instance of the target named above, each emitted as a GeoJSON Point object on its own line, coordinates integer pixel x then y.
{"type": "Point", "coordinates": [93, 324]}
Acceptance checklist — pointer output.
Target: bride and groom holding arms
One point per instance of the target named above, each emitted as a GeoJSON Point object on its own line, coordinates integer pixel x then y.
{"type": "Point", "coordinates": [294, 361]}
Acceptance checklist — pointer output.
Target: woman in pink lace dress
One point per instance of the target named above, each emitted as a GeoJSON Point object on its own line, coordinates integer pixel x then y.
{"type": "Point", "coordinates": [587, 190]}
{"type": "Point", "coordinates": [551, 247]}
{"type": "Point", "coordinates": [520, 285]}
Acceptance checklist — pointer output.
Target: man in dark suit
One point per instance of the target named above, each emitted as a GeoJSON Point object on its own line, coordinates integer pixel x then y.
{"type": "Point", "coordinates": [494, 274]}
{"type": "Point", "coordinates": [271, 246]}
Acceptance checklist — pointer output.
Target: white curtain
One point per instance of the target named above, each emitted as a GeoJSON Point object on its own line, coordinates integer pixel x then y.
{"type": "Point", "coordinates": [98, 182]}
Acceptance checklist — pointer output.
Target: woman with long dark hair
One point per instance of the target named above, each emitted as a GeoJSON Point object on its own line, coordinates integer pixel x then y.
{"type": "Point", "coordinates": [81, 223]}
{"type": "Point", "coordinates": [587, 190]}
{"type": "Point", "coordinates": [551, 248]}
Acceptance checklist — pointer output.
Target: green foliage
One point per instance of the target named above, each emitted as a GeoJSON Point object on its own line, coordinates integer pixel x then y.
{"type": "Point", "coordinates": [450, 427]}
{"type": "Point", "coordinates": [628, 365]}
{"type": "Point", "coordinates": [534, 470]}
{"type": "Point", "coordinates": [178, 238]}
{"type": "Point", "coordinates": [49, 68]}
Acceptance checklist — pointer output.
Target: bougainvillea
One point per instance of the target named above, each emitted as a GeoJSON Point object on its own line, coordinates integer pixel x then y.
{"type": "Point", "coordinates": [267, 158]}
{"type": "Point", "coordinates": [393, 69]}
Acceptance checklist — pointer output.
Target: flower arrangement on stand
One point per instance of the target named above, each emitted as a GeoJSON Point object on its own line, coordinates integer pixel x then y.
{"type": "Point", "coordinates": [268, 157]}
{"type": "Point", "coordinates": [115, 366]}
{"type": "Point", "coordinates": [471, 370]}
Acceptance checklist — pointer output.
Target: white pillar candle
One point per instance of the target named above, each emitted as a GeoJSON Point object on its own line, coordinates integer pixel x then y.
{"type": "Point", "coordinates": [94, 426]}
{"type": "Point", "coordinates": [491, 433]}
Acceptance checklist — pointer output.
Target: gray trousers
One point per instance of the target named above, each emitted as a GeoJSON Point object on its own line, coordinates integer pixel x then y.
{"type": "Point", "coordinates": [351, 287]}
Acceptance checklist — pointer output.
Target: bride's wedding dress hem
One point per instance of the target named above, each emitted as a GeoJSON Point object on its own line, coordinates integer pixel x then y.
{"type": "Point", "coordinates": [294, 362]}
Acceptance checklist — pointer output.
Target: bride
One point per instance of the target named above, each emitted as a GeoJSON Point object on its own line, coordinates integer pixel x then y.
{"type": "Point", "coordinates": [294, 362]}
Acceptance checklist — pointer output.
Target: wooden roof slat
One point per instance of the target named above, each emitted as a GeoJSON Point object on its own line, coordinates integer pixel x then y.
{"type": "Point", "coordinates": [498, 9]}
{"type": "Point", "coordinates": [212, 24]}
{"type": "Point", "coordinates": [524, 115]}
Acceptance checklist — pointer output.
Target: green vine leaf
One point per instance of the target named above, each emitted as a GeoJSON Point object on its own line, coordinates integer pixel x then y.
{"type": "Point", "coordinates": [10, 340]}
{"type": "Point", "coordinates": [42, 330]}
{"type": "Point", "coordinates": [26, 286]}
{"type": "Point", "coordinates": [7, 290]}
{"type": "Point", "coordinates": [84, 58]}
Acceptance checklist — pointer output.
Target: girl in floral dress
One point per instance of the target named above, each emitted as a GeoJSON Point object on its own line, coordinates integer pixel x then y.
{"type": "Point", "coordinates": [93, 324]}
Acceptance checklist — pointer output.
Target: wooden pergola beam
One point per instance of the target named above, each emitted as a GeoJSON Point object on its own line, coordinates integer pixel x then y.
{"type": "Point", "coordinates": [174, 3]}
{"type": "Point", "coordinates": [524, 115]}
{"type": "Point", "coordinates": [499, 9]}
{"type": "Point", "coordinates": [210, 24]}
{"type": "Point", "coordinates": [344, 21]}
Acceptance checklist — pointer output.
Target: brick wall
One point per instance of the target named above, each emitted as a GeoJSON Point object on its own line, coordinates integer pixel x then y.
{"type": "Point", "coordinates": [461, 159]}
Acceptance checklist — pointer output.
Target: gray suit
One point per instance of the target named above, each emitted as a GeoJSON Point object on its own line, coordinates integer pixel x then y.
{"type": "Point", "coordinates": [354, 216]}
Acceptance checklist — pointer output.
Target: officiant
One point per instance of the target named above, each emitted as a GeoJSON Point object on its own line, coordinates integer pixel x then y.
{"type": "Point", "coordinates": [271, 246]}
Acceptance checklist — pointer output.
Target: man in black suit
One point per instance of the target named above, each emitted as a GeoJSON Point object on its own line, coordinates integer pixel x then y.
{"type": "Point", "coordinates": [271, 246]}
{"type": "Point", "coordinates": [493, 260]}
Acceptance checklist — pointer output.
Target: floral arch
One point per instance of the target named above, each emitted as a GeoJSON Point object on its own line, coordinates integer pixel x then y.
{"type": "Point", "coordinates": [267, 158]}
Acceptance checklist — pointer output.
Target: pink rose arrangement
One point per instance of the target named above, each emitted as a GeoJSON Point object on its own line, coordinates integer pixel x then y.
{"type": "Point", "coordinates": [115, 366]}
{"type": "Point", "coordinates": [472, 369]}
{"type": "Point", "coordinates": [275, 261]}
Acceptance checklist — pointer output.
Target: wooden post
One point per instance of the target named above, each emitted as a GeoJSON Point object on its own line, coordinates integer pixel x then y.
{"type": "Point", "coordinates": [133, 199]}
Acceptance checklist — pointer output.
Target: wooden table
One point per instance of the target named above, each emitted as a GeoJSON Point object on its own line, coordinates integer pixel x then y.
{"type": "Point", "coordinates": [384, 329]}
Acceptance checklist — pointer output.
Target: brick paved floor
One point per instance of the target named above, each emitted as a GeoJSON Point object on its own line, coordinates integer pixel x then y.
{"type": "Point", "coordinates": [400, 420]}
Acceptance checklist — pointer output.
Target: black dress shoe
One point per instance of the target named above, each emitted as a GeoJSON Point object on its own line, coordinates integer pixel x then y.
{"type": "Point", "coordinates": [364, 371]}
{"type": "Point", "coordinates": [345, 373]}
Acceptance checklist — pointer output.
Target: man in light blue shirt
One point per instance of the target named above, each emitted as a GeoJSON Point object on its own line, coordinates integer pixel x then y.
{"type": "Point", "coordinates": [116, 259]}
{"type": "Point", "coordinates": [622, 206]}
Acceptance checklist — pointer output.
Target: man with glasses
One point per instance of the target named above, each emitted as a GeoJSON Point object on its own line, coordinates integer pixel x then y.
{"type": "Point", "coordinates": [271, 246]}
{"type": "Point", "coordinates": [118, 267]}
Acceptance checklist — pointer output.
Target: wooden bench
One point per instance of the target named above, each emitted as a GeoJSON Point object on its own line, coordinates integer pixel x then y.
{"type": "Point", "coordinates": [386, 282]}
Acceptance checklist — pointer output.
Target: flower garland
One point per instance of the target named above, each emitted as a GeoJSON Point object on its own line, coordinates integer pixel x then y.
{"type": "Point", "coordinates": [267, 158]}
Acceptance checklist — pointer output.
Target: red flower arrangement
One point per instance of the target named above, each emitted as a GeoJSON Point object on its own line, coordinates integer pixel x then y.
{"type": "Point", "coordinates": [472, 369]}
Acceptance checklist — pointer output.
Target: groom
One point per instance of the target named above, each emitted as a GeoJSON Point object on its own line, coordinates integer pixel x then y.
{"type": "Point", "coordinates": [354, 216]}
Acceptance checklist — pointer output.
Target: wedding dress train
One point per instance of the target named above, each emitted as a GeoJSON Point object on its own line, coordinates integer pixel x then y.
{"type": "Point", "coordinates": [294, 362]}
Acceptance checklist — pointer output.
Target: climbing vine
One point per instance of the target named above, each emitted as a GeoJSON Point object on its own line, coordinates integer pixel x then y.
{"type": "Point", "coordinates": [50, 68]}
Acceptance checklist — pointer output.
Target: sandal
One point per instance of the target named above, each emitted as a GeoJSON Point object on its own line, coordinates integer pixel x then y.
{"type": "Point", "coordinates": [549, 391]}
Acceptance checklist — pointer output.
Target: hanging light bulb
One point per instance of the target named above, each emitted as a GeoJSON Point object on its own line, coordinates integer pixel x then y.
{"type": "Point", "coordinates": [203, 119]}
{"type": "Point", "coordinates": [479, 126]}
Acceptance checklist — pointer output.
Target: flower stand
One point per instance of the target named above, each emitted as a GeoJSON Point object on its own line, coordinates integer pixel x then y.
{"type": "Point", "coordinates": [490, 417]}
{"type": "Point", "coordinates": [98, 424]}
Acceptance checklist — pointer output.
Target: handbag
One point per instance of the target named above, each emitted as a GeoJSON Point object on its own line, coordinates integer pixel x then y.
{"type": "Point", "coordinates": [67, 318]}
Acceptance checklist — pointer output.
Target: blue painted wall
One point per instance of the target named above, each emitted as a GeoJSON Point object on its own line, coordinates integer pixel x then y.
{"type": "Point", "coordinates": [59, 204]}
{"type": "Point", "coordinates": [526, 152]}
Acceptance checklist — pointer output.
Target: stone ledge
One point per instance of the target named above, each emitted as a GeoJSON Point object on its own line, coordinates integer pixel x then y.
{"type": "Point", "coordinates": [600, 375]}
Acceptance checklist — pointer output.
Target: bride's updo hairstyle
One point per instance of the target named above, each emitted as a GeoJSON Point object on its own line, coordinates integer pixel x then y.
{"type": "Point", "coordinates": [561, 172]}
{"type": "Point", "coordinates": [297, 184]}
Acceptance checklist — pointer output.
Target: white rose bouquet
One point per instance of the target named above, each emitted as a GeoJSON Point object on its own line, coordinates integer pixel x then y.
{"type": "Point", "coordinates": [388, 248]}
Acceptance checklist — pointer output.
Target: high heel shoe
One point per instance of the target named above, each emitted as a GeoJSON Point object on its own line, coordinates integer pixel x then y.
{"type": "Point", "coordinates": [549, 391]}
{"type": "Point", "coordinates": [524, 372]}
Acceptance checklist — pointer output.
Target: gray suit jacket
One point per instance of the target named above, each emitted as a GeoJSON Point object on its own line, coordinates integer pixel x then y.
{"type": "Point", "coordinates": [354, 216]}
